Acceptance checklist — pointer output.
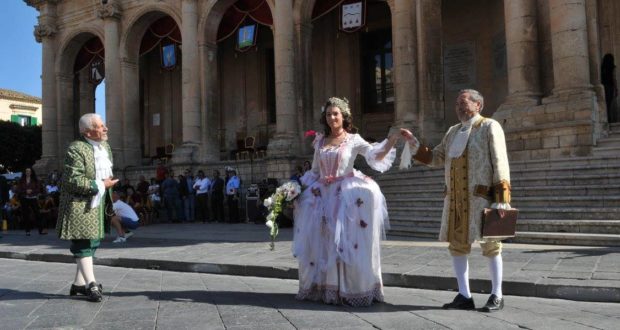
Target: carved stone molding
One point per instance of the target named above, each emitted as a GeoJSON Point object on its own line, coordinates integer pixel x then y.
{"type": "Point", "coordinates": [38, 3]}
{"type": "Point", "coordinates": [109, 10]}
{"type": "Point", "coordinates": [44, 31]}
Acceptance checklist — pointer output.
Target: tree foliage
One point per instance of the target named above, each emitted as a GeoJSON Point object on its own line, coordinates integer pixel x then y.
{"type": "Point", "coordinates": [20, 147]}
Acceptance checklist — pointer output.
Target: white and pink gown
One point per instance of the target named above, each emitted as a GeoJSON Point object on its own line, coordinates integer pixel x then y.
{"type": "Point", "coordinates": [340, 219]}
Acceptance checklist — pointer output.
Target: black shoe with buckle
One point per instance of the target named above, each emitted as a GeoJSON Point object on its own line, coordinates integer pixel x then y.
{"type": "Point", "coordinates": [81, 289]}
{"type": "Point", "coordinates": [460, 302]}
{"type": "Point", "coordinates": [93, 292]}
{"type": "Point", "coordinates": [494, 304]}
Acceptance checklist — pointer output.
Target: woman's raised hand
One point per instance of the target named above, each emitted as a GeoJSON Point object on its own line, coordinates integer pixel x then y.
{"type": "Point", "coordinates": [406, 134]}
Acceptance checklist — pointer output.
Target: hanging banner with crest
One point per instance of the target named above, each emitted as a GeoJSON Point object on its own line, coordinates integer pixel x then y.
{"type": "Point", "coordinates": [97, 72]}
{"type": "Point", "coordinates": [352, 16]}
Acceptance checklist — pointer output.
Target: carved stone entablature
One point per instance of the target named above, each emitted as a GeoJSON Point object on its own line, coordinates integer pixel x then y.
{"type": "Point", "coordinates": [44, 31]}
{"type": "Point", "coordinates": [109, 10]}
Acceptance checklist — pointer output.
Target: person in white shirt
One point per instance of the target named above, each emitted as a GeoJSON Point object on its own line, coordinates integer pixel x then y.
{"type": "Point", "coordinates": [124, 219]}
{"type": "Point", "coordinates": [202, 185]}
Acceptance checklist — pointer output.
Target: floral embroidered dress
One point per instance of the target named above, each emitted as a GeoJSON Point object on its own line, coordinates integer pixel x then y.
{"type": "Point", "coordinates": [340, 220]}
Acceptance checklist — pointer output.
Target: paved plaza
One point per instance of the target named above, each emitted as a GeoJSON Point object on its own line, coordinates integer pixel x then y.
{"type": "Point", "coordinates": [223, 276]}
{"type": "Point", "coordinates": [33, 295]}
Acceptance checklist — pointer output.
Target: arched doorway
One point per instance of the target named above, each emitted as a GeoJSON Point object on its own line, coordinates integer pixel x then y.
{"type": "Point", "coordinates": [160, 88]}
{"type": "Point", "coordinates": [246, 76]}
{"type": "Point", "coordinates": [355, 61]}
{"type": "Point", "coordinates": [81, 71]}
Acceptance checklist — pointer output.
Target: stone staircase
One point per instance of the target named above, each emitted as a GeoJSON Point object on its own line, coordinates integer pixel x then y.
{"type": "Point", "coordinates": [610, 145]}
{"type": "Point", "coordinates": [572, 201]}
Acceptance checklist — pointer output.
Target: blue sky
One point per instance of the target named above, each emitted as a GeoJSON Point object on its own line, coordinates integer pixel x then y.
{"type": "Point", "coordinates": [20, 54]}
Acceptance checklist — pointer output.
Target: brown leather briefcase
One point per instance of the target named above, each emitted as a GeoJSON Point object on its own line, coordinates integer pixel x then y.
{"type": "Point", "coordinates": [499, 224]}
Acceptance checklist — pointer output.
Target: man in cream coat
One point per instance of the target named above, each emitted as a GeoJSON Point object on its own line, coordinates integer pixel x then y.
{"type": "Point", "coordinates": [477, 176]}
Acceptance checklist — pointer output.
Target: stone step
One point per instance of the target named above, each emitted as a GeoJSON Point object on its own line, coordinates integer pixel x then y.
{"type": "Point", "coordinates": [567, 213]}
{"type": "Point", "coordinates": [606, 151]}
{"type": "Point", "coordinates": [566, 238]}
{"type": "Point", "coordinates": [612, 140]}
{"type": "Point", "coordinates": [600, 201]}
{"type": "Point", "coordinates": [415, 222]}
{"type": "Point", "coordinates": [415, 191]}
{"type": "Point", "coordinates": [570, 226]}
{"type": "Point", "coordinates": [407, 231]}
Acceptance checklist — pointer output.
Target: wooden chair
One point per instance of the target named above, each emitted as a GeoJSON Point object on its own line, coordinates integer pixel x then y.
{"type": "Point", "coordinates": [248, 149]}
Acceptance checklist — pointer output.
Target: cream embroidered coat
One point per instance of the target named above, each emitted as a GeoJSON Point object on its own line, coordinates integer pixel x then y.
{"type": "Point", "coordinates": [487, 166]}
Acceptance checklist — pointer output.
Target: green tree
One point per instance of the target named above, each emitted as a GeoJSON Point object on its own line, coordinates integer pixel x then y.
{"type": "Point", "coordinates": [20, 147]}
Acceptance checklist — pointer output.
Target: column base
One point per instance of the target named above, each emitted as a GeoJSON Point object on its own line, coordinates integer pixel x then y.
{"type": "Point", "coordinates": [187, 153]}
{"type": "Point", "coordinates": [283, 145]}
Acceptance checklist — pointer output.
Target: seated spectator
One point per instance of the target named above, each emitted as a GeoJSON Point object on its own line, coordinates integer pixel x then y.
{"type": "Point", "coordinates": [124, 219]}
{"type": "Point", "coordinates": [47, 211]}
{"type": "Point", "coordinates": [134, 199]}
{"type": "Point", "coordinates": [153, 201]}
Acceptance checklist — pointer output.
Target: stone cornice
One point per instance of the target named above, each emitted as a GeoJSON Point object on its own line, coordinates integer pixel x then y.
{"type": "Point", "coordinates": [38, 3]}
{"type": "Point", "coordinates": [109, 10]}
{"type": "Point", "coordinates": [44, 31]}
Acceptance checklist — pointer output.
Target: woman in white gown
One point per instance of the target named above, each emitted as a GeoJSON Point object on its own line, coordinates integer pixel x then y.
{"type": "Point", "coordinates": [341, 216]}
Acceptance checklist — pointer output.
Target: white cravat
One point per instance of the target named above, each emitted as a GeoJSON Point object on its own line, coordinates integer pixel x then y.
{"type": "Point", "coordinates": [103, 170]}
{"type": "Point", "coordinates": [459, 143]}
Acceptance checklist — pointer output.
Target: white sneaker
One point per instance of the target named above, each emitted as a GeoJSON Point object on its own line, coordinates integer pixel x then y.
{"type": "Point", "coordinates": [128, 234]}
{"type": "Point", "coordinates": [119, 239]}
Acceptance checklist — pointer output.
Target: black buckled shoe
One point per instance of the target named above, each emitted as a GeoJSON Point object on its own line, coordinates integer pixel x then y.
{"type": "Point", "coordinates": [460, 302]}
{"type": "Point", "coordinates": [81, 289]}
{"type": "Point", "coordinates": [494, 304]}
{"type": "Point", "coordinates": [93, 292]}
{"type": "Point", "coordinates": [77, 289]}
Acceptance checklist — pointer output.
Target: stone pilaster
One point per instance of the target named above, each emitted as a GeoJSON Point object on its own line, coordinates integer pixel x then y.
{"type": "Point", "coordinates": [190, 84]}
{"type": "Point", "coordinates": [404, 47]}
{"type": "Point", "coordinates": [66, 119]}
{"type": "Point", "coordinates": [210, 146]}
{"type": "Point", "coordinates": [569, 39]}
{"type": "Point", "coordinates": [430, 71]}
{"type": "Point", "coordinates": [522, 52]}
{"type": "Point", "coordinates": [111, 13]}
{"type": "Point", "coordinates": [286, 140]}
{"type": "Point", "coordinates": [45, 33]}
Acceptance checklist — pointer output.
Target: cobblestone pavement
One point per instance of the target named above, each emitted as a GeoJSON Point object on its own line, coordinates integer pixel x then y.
{"type": "Point", "coordinates": [546, 271]}
{"type": "Point", "coordinates": [34, 295]}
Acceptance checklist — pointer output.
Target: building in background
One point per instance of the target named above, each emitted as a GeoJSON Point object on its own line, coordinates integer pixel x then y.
{"type": "Point", "coordinates": [20, 108]}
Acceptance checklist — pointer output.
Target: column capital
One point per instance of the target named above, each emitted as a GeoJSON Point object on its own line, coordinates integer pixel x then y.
{"type": "Point", "coordinates": [110, 10]}
{"type": "Point", "coordinates": [44, 30]}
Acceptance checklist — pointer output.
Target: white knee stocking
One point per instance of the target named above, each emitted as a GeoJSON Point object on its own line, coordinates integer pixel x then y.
{"type": "Point", "coordinates": [79, 279]}
{"type": "Point", "coordinates": [496, 267]}
{"type": "Point", "coordinates": [86, 268]}
{"type": "Point", "coordinates": [461, 270]}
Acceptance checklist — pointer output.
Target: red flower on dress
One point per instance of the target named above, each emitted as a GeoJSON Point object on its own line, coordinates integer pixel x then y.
{"type": "Point", "coordinates": [310, 133]}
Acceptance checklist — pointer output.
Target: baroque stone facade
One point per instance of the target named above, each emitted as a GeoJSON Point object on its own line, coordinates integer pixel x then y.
{"type": "Point", "coordinates": [536, 61]}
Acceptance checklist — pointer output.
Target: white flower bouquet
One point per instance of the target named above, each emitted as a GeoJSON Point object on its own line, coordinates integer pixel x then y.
{"type": "Point", "coordinates": [282, 198]}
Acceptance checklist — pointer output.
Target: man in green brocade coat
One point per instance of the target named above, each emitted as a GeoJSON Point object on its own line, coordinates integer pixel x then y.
{"type": "Point", "coordinates": [84, 191]}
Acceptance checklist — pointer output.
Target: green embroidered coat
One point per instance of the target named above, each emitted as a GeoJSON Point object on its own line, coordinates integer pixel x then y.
{"type": "Point", "coordinates": [76, 219]}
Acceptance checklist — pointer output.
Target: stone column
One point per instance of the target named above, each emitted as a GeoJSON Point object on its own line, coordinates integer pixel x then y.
{"type": "Point", "coordinates": [132, 122]}
{"type": "Point", "coordinates": [210, 136]}
{"type": "Point", "coordinates": [431, 122]}
{"type": "Point", "coordinates": [111, 13]}
{"type": "Point", "coordinates": [569, 39]}
{"type": "Point", "coordinates": [45, 33]}
{"type": "Point", "coordinates": [286, 139]}
{"type": "Point", "coordinates": [522, 54]}
{"type": "Point", "coordinates": [303, 65]}
{"type": "Point", "coordinates": [67, 118]}
{"type": "Point", "coordinates": [190, 84]}
{"type": "Point", "coordinates": [404, 47]}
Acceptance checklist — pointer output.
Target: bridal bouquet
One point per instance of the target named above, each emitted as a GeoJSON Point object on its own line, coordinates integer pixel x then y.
{"type": "Point", "coordinates": [282, 198]}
